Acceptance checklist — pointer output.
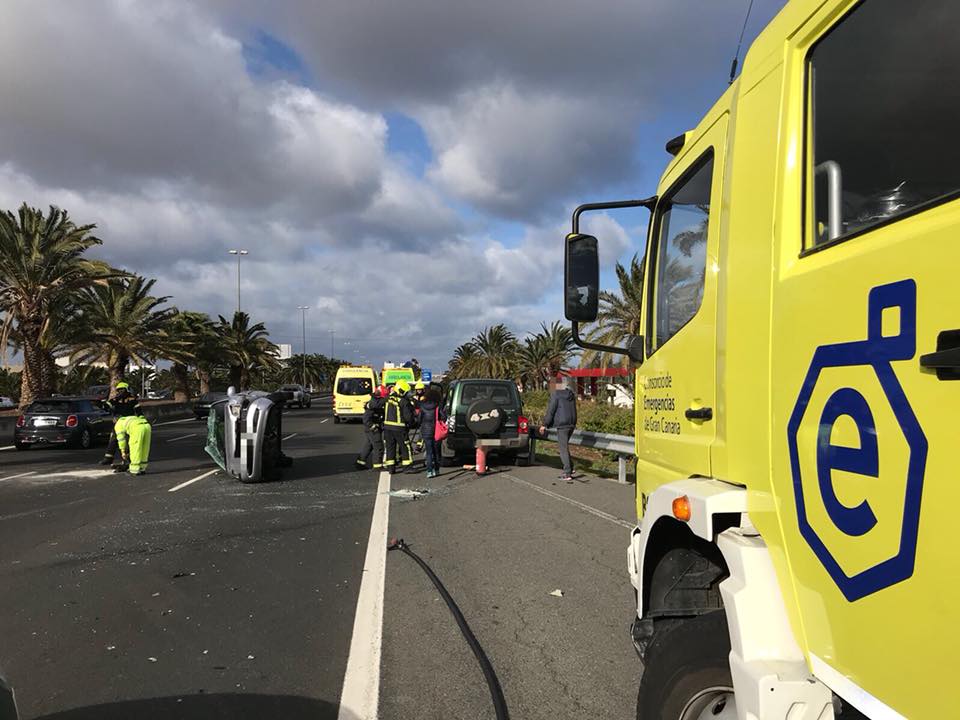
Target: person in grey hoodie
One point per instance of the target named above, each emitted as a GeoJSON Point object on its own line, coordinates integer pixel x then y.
{"type": "Point", "coordinates": [562, 415]}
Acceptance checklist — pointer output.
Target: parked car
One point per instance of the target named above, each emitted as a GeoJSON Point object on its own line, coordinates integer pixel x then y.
{"type": "Point", "coordinates": [75, 421]}
{"type": "Point", "coordinates": [201, 406]}
{"type": "Point", "coordinates": [98, 392]}
{"type": "Point", "coordinates": [6, 403]}
{"type": "Point", "coordinates": [506, 430]}
{"type": "Point", "coordinates": [160, 395]}
{"type": "Point", "coordinates": [301, 398]}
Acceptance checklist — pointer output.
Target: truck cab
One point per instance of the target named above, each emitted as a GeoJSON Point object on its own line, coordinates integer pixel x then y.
{"type": "Point", "coordinates": [798, 355]}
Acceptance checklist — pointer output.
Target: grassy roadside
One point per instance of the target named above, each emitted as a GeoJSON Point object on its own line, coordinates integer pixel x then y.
{"type": "Point", "coordinates": [587, 460]}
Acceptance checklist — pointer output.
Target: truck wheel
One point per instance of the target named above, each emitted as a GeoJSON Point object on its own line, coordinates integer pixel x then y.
{"type": "Point", "coordinates": [336, 419]}
{"type": "Point", "coordinates": [687, 673]}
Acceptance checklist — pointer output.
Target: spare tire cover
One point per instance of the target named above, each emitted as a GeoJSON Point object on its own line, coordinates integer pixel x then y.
{"type": "Point", "coordinates": [485, 417]}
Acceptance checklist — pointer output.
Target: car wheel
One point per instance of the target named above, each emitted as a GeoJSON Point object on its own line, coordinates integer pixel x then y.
{"type": "Point", "coordinates": [84, 440]}
{"type": "Point", "coordinates": [687, 672]}
{"type": "Point", "coordinates": [21, 445]}
{"type": "Point", "coordinates": [336, 419]}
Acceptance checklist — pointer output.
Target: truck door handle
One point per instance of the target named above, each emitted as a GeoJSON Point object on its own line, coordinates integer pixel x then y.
{"type": "Point", "coordinates": [942, 359]}
{"type": "Point", "coordinates": [699, 413]}
{"type": "Point", "coordinates": [946, 360]}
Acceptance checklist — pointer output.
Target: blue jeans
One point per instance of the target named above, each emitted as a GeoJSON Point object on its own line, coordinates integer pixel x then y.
{"type": "Point", "coordinates": [432, 450]}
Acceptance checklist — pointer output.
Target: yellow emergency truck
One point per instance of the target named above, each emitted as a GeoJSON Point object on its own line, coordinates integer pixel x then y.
{"type": "Point", "coordinates": [797, 368]}
{"type": "Point", "coordinates": [352, 388]}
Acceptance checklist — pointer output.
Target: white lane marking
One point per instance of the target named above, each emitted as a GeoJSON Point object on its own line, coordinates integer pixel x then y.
{"type": "Point", "coordinates": [11, 477]}
{"type": "Point", "coordinates": [8, 447]}
{"type": "Point", "coordinates": [191, 482]}
{"type": "Point", "coordinates": [360, 697]}
{"type": "Point", "coordinates": [75, 474]}
{"type": "Point", "coordinates": [289, 436]}
{"type": "Point", "coordinates": [324, 420]}
{"type": "Point", "coordinates": [174, 422]}
{"type": "Point", "coordinates": [182, 437]}
{"type": "Point", "coordinates": [586, 508]}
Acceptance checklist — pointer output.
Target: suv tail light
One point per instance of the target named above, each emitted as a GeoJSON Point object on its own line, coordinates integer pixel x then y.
{"type": "Point", "coordinates": [21, 421]}
{"type": "Point", "coordinates": [523, 423]}
{"type": "Point", "coordinates": [71, 421]}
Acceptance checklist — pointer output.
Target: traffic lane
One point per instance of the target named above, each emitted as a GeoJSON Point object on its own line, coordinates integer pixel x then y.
{"type": "Point", "coordinates": [501, 548]}
{"type": "Point", "coordinates": [66, 456]}
{"type": "Point", "coordinates": [268, 571]}
{"type": "Point", "coordinates": [59, 489]}
{"type": "Point", "coordinates": [68, 488]}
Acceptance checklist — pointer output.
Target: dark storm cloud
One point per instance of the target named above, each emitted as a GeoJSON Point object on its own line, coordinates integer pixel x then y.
{"type": "Point", "coordinates": [182, 132]}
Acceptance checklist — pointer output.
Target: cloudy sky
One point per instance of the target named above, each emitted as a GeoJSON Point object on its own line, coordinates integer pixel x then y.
{"type": "Point", "coordinates": [405, 169]}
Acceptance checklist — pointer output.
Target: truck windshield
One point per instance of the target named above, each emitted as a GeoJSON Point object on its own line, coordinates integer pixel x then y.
{"type": "Point", "coordinates": [354, 386]}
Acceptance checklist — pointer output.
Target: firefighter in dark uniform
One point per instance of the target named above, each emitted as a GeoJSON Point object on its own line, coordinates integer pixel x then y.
{"type": "Point", "coordinates": [371, 454]}
{"type": "Point", "coordinates": [397, 418]}
{"type": "Point", "coordinates": [123, 404]}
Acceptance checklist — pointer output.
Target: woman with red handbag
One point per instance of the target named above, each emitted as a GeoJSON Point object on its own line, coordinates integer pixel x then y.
{"type": "Point", "coordinates": [433, 428]}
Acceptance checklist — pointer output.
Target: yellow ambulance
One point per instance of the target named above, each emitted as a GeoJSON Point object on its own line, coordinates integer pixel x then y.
{"type": "Point", "coordinates": [352, 388]}
{"type": "Point", "coordinates": [797, 360]}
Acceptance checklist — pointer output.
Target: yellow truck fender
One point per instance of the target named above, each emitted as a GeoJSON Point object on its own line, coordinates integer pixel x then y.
{"type": "Point", "coordinates": [710, 500]}
{"type": "Point", "coordinates": [770, 674]}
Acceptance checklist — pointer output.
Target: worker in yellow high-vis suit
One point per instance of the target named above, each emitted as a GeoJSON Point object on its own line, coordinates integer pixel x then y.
{"type": "Point", "coordinates": [133, 436]}
{"type": "Point", "coordinates": [397, 418]}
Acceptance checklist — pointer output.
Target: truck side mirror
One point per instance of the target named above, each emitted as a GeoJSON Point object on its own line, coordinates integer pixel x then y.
{"type": "Point", "coordinates": [581, 278]}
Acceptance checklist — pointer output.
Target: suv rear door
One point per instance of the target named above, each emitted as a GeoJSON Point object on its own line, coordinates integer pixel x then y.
{"type": "Point", "coordinates": [503, 394]}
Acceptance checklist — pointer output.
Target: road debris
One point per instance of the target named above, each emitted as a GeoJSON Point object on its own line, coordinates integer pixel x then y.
{"type": "Point", "coordinates": [408, 493]}
{"type": "Point", "coordinates": [557, 593]}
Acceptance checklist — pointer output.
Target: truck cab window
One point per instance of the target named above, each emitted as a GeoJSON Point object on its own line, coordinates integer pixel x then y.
{"type": "Point", "coordinates": [682, 251]}
{"type": "Point", "coordinates": [883, 108]}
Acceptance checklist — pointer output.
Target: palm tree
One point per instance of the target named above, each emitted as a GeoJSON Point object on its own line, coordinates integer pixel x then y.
{"type": "Point", "coordinates": [308, 370]}
{"type": "Point", "coordinates": [496, 353]}
{"type": "Point", "coordinates": [463, 360]}
{"type": "Point", "coordinates": [41, 262]}
{"type": "Point", "coordinates": [199, 335]}
{"type": "Point", "coordinates": [126, 323]}
{"type": "Point", "coordinates": [619, 316]}
{"type": "Point", "coordinates": [245, 347]}
{"type": "Point", "coordinates": [544, 354]}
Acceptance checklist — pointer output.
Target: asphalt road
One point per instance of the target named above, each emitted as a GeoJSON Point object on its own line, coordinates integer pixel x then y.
{"type": "Point", "coordinates": [122, 599]}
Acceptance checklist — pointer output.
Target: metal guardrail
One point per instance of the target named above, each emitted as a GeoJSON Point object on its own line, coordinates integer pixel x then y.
{"type": "Point", "coordinates": [623, 445]}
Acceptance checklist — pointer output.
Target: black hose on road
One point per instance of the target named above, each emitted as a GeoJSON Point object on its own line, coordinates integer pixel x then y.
{"type": "Point", "coordinates": [496, 692]}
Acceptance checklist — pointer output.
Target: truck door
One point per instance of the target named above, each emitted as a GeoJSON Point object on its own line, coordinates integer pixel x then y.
{"type": "Point", "coordinates": [865, 372]}
{"type": "Point", "coordinates": [676, 384]}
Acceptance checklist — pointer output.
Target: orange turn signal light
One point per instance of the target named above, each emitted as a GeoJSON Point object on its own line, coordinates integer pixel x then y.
{"type": "Point", "coordinates": [681, 508]}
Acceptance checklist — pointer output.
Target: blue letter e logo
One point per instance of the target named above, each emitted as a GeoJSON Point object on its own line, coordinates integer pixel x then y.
{"type": "Point", "coordinates": [876, 352]}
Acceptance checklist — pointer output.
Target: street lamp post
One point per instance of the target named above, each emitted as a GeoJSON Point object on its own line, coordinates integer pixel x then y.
{"type": "Point", "coordinates": [303, 314]}
{"type": "Point", "coordinates": [239, 253]}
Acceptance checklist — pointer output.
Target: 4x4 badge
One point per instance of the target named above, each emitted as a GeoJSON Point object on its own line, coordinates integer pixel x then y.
{"type": "Point", "coordinates": [877, 352]}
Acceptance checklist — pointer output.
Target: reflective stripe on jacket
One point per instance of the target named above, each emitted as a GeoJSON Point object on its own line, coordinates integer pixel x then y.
{"type": "Point", "coordinates": [397, 413]}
